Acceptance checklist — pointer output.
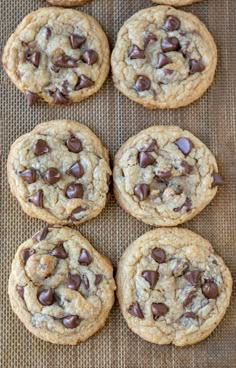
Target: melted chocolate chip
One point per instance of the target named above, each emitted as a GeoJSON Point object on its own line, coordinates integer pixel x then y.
{"type": "Point", "coordinates": [75, 212]}
{"type": "Point", "coordinates": [217, 180]}
{"type": "Point", "coordinates": [195, 66]}
{"type": "Point", "coordinates": [187, 204]}
{"type": "Point", "coordinates": [98, 279]}
{"type": "Point", "coordinates": [89, 57]}
{"type": "Point", "coordinates": [145, 159]}
{"type": "Point", "coordinates": [71, 321]}
{"type": "Point", "coordinates": [191, 295]}
{"type": "Point", "coordinates": [37, 198]}
{"type": "Point", "coordinates": [20, 291]}
{"type": "Point", "coordinates": [86, 282]}
{"type": "Point", "coordinates": [46, 297]}
{"type": "Point", "coordinates": [135, 310]}
{"type": "Point", "coordinates": [65, 61]}
{"type": "Point", "coordinates": [73, 281]}
{"type": "Point", "coordinates": [76, 170]}
{"type": "Point", "coordinates": [55, 68]}
{"type": "Point", "coordinates": [59, 252]}
{"type": "Point", "coordinates": [83, 82]}
{"type": "Point", "coordinates": [41, 235]}
{"type": "Point", "coordinates": [34, 58]}
{"type": "Point", "coordinates": [170, 44]}
{"type": "Point", "coordinates": [172, 23]}
{"type": "Point", "coordinates": [185, 168]}
{"type": "Point", "coordinates": [141, 191]}
{"type": "Point", "coordinates": [77, 41]}
{"type": "Point", "coordinates": [84, 259]}
{"type": "Point", "coordinates": [52, 175]}
{"type": "Point", "coordinates": [26, 253]}
{"type": "Point", "coordinates": [158, 310]}
{"type": "Point", "coordinates": [59, 98]}
{"type": "Point", "coordinates": [189, 315]}
{"type": "Point", "coordinates": [149, 36]}
{"type": "Point", "coordinates": [74, 190]}
{"type": "Point", "coordinates": [136, 53]}
{"type": "Point", "coordinates": [163, 176]}
{"type": "Point", "coordinates": [210, 289]}
{"type": "Point", "coordinates": [184, 145]}
{"type": "Point", "coordinates": [40, 147]}
{"type": "Point", "coordinates": [151, 277]}
{"type": "Point", "coordinates": [193, 277]}
{"type": "Point", "coordinates": [142, 83]}
{"type": "Point", "coordinates": [162, 60]}
{"type": "Point", "coordinates": [31, 98]}
{"type": "Point", "coordinates": [64, 88]}
{"type": "Point", "coordinates": [29, 175]}
{"type": "Point", "coordinates": [74, 144]}
{"type": "Point", "coordinates": [158, 255]}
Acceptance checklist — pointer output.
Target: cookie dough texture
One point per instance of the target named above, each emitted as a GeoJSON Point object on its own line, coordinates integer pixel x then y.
{"type": "Point", "coordinates": [176, 2]}
{"type": "Point", "coordinates": [164, 176]}
{"type": "Point", "coordinates": [189, 296]}
{"type": "Point", "coordinates": [163, 58]}
{"type": "Point", "coordinates": [59, 172]}
{"type": "Point", "coordinates": [60, 287]}
{"type": "Point", "coordinates": [57, 55]}
{"type": "Point", "coordinates": [68, 3]}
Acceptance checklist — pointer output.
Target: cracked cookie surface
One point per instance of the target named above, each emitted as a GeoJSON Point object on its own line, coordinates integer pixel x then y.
{"type": "Point", "coordinates": [59, 172]}
{"type": "Point", "coordinates": [163, 58]}
{"type": "Point", "coordinates": [164, 176]}
{"type": "Point", "coordinates": [57, 55]}
{"type": "Point", "coordinates": [176, 2]}
{"type": "Point", "coordinates": [172, 287]}
{"type": "Point", "coordinates": [60, 287]}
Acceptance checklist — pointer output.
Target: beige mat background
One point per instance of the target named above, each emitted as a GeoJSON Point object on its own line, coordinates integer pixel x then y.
{"type": "Point", "coordinates": [114, 118]}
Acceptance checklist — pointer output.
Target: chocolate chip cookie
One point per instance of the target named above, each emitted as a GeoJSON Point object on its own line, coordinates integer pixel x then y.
{"type": "Point", "coordinates": [59, 172]}
{"type": "Point", "coordinates": [176, 2]}
{"type": "Point", "coordinates": [172, 287]}
{"type": "Point", "coordinates": [60, 287]}
{"type": "Point", "coordinates": [57, 55]}
{"type": "Point", "coordinates": [165, 176]}
{"type": "Point", "coordinates": [68, 3]}
{"type": "Point", "coordinates": [163, 58]}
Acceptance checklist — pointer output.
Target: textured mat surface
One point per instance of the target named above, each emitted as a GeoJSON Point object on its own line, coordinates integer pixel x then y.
{"type": "Point", "coordinates": [114, 118]}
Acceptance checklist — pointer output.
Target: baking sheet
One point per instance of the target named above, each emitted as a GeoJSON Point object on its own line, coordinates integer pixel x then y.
{"type": "Point", "coordinates": [114, 118]}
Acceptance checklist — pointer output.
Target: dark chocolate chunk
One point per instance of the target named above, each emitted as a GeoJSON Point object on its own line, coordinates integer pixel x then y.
{"type": "Point", "coordinates": [158, 310]}
{"type": "Point", "coordinates": [136, 53]}
{"type": "Point", "coordinates": [40, 147]}
{"type": "Point", "coordinates": [75, 212]}
{"type": "Point", "coordinates": [55, 68]}
{"type": "Point", "coordinates": [20, 290]}
{"type": "Point", "coordinates": [46, 297]}
{"type": "Point", "coordinates": [189, 298]}
{"type": "Point", "coordinates": [98, 279]}
{"type": "Point", "coordinates": [158, 255]}
{"type": "Point", "coordinates": [65, 61]}
{"type": "Point", "coordinates": [185, 168]}
{"type": "Point", "coordinates": [26, 253]}
{"type": "Point", "coordinates": [151, 277]}
{"type": "Point", "coordinates": [189, 315]}
{"type": "Point", "coordinates": [83, 82]}
{"type": "Point", "coordinates": [74, 144]}
{"type": "Point", "coordinates": [172, 23]}
{"type": "Point", "coordinates": [71, 321]}
{"type": "Point", "coordinates": [86, 282]}
{"type": "Point", "coordinates": [64, 88]}
{"type": "Point", "coordinates": [135, 310]}
{"type": "Point", "coordinates": [34, 58]}
{"type": "Point", "coordinates": [52, 175]}
{"type": "Point", "coordinates": [142, 83]}
{"type": "Point", "coordinates": [37, 198]}
{"type": "Point", "coordinates": [31, 98]}
{"type": "Point", "coordinates": [74, 190]}
{"type": "Point", "coordinates": [59, 252]}
{"type": "Point", "coordinates": [149, 36]}
{"type": "Point", "coordinates": [41, 235]}
{"type": "Point", "coordinates": [73, 281]}
{"type": "Point", "coordinates": [141, 191]}
{"type": "Point", "coordinates": [59, 98]}
{"type": "Point", "coordinates": [76, 170]}
{"type": "Point", "coordinates": [210, 289]}
{"type": "Point", "coordinates": [187, 204]}
{"type": "Point", "coordinates": [145, 159]}
{"type": "Point", "coordinates": [85, 259]}
{"type": "Point", "coordinates": [162, 60]}
{"type": "Point", "coordinates": [151, 148]}
{"type": "Point", "coordinates": [195, 66]}
{"type": "Point", "coordinates": [29, 175]}
{"type": "Point", "coordinates": [170, 44]}
{"type": "Point", "coordinates": [163, 175]}
{"type": "Point", "coordinates": [193, 277]}
{"type": "Point", "coordinates": [184, 145]}
{"type": "Point", "coordinates": [89, 57]}
{"type": "Point", "coordinates": [217, 180]}
{"type": "Point", "coordinates": [76, 41]}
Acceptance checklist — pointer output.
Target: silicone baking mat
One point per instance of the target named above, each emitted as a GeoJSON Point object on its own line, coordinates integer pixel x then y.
{"type": "Point", "coordinates": [114, 118]}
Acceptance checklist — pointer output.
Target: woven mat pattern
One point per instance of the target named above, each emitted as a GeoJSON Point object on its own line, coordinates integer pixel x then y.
{"type": "Point", "coordinates": [114, 118]}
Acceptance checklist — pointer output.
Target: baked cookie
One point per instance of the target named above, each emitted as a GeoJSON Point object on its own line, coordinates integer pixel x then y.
{"type": "Point", "coordinates": [59, 172]}
{"type": "Point", "coordinates": [57, 55]}
{"type": "Point", "coordinates": [163, 58]}
{"type": "Point", "coordinates": [176, 2]}
{"type": "Point", "coordinates": [68, 3]}
{"type": "Point", "coordinates": [164, 176]}
{"type": "Point", "coordinates": [172, 287]}
{"type": "Point", "coordinates": [60, 287]}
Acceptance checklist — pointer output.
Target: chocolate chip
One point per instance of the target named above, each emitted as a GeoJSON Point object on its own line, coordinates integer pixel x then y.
{"type": "Point", "coordinates": [71, 321]}
{"type": "Point", "coordinates": [74, 190]}
{"type": "Point", "coordinates": [48, 33]}
{"type": "Point", "coordinates": [29, 175]}
{"type": "Point", "coordinates": [136, 53]}
{"type": "Point", "coordinates": [46, 297]}
{"type": "Point", "coordinates": [73, 281]}
{"type": "Point", "coordinates": [185, 168]}
{"type": "Point", "coordinates": [162, 60]}
{"type": "Point", "coordinates": [191, 295]}
{"type": "Point", "coordinates": [55, 68]}
{"type": "Point", "coordinates": [158, 255]}
{"type": "Point", "coordinates": [76, 170]}
{"type": "Point", "coordinates": [145, 159]}
{"type": "Point", "coordinates": [135, 310]}
{"type": "Point", "coordinates": [86, 282]}
{"type": "Point", "coordinates": [210, 289]}
{"type": "Point", "coordinates": [84, 259]}
{"type": "Point", "coordinates": [65, 61]}
{"type": "Point", "coordinates": [163, 175]}
{"type": "Point", "coordinates": [74, 144]}
{"type": "Point", "coordinates": [75, 212]}
{"type": "Point", "coordinates": [141, 191]}
{"type": "Point", "coordinates": [83, 82]}
{"type": "Point", "coordinates": [34, 58]}
{"type": "Point", "coordinates": [172, 23]}
{"type": "Point", "coordinates": [40, 147]}
{"type": "Point", "coordinates": [158, 310]}
{"type": "Point", "coordinates": [180, 268]}
{"type": "Point", "coordinates": [59, 98]}
{"type": "Point", "coordinates": [184, 145]}
{"type": "Point", "coordinates": [149, 36]}
{"type": "Point", "coordinates": [37, 198]}
{"type": "Point", "coordinates": [187, 204]}
{"type": "Point", "coordinates": [52, 175]}
{"type": "Point", "coordinates": [193, 277]}
{"type": "Point", "coordinates": [64, 88]}
{"type": "Point", "coordinates": [152, 147]}
{"type": "Point", "coordinates": [142, 83]}
{"type": "Point", "coordinates": [31, 98]}
{"type": "Point", "coordinates": [89, 57]}
{"type": "Point", "coordinates": [189, 315]}
{"type": "Point", "coordinates": [59, 252]}
{"type": "Point", "coordinates": [195, 66]}
{"type": "Point", "coordinates": [170, 44]}
{"type": "Point", "coordinates": [217, 180]}
{"type": "Point", "coordinates": [26, 253]}
{"type": "Point", "coordinates": [41, 235]}
{"type": "Point", "coordinates": [76, 41]}
{"type": "Point", "coordinates": [98, 279]}
{"type": "Point", "coordinates": [20, 290]}
{"type": "Point", "coordinates": [151, 277]}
